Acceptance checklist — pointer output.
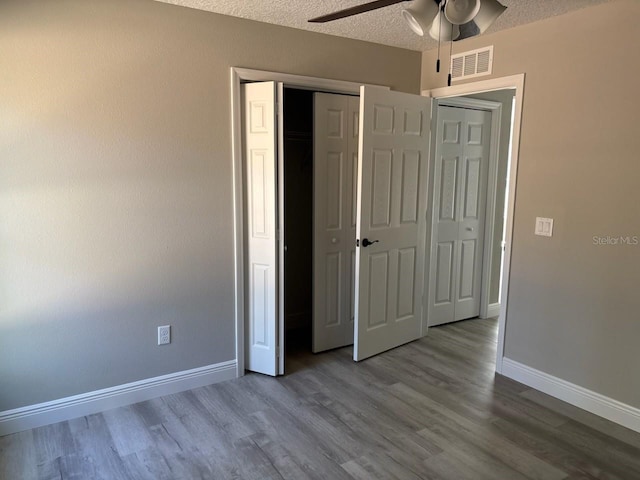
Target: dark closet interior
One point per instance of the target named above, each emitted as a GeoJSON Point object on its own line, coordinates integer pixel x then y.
{"type": "Point", "coordinates": [298, 211]}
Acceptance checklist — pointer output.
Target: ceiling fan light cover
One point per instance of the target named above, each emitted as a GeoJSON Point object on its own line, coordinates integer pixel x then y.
{"type": "Point", "coordinates": [449, 31]}
{"type": "Point", "coordinates": [461, 11]}
{"type": "Point", "coordinates": [489, 11]}
{"type": "Point", "coordinates": [421, 16]}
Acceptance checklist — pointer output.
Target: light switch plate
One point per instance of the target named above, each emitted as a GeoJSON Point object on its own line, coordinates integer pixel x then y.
{"type": "Point", "coordinates": [544, 226]}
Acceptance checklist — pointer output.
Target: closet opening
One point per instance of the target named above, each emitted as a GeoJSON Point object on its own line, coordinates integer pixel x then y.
{"type": "Point", "coordinates": [320, 158]}
{"type": "Point", "coordinates": [298, 225]}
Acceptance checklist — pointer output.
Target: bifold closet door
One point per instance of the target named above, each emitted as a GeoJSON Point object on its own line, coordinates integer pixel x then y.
{"type": "Point", "coordinates": [335, 168]}
{"type": "Point", "coordinates": [261, 226]}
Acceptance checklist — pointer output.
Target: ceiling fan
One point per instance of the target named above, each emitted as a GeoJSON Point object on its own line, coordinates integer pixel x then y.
{"type": "Point", "coordinates": [441, 19]}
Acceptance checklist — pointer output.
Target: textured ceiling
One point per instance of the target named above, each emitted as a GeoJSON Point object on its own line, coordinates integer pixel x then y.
{"type": "Point", "coordinates": [384, 26]}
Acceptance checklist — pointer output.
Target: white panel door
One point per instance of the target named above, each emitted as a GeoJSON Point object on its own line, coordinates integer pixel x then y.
{"type": "Point", "coordinates": [259, 124]}
{"type": "Point", "coordinates": [335, 162]}
{"type": "Point", "coordinates": [391, 211]}
{"type": "Point", "coordinates": [459, 204]}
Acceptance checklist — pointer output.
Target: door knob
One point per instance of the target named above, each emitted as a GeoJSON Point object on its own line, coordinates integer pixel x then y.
{"type": "Point", "coordinates": [366, 242]}
{"type": "Point", "coordinates": [470, 229]}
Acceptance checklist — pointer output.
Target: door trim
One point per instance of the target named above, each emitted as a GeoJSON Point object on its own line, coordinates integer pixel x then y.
{"type": "Point", "coordinates": [492, 182]}
{"type": "Point", "coordinates": [238, 75]}
{"type": "Point", "coordinates": [510, 82]}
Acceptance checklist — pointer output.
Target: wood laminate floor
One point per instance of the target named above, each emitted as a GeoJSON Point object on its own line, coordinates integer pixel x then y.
{"type": "Point", "coordinates": [432, 409]}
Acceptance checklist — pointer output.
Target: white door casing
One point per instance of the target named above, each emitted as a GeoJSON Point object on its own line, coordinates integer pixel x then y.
{"type": "Point", "coordinates": [391, 209]}
{"type": "Point", "coordinates": [260, 170]}
{"type": "Point", "coordinates": [462, 148]}
{"type": "Point", "coordinates": [336, 126]}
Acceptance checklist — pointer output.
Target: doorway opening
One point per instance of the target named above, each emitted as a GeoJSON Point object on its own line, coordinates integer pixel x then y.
{"type": "Point", "coordinates": [503, 227]}
{"type": "Point", "coordinates": [300, 147]}
{"type": "Point", "coordinates": [298, 226]}
{"type": "Point", "coordinates": [318, 166]}
{"type": "Point", "coordinates": [367, 291]}
{"type": "Point", "coordinates": [260, 306]}
{"type": "Point", "coordinates": [471, 136]}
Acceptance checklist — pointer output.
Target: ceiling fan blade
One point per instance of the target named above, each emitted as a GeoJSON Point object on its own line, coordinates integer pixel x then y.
{"type": "Point", "coordinates": [467, 30]}
{"type": "Point", "coordinates": [347, 12]}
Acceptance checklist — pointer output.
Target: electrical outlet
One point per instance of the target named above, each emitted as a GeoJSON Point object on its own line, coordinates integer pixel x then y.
{"type": "Point", "coordinates": [164, 335]}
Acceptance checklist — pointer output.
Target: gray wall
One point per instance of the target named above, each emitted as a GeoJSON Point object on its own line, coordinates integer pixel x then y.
{"type": "Point", "coordinates": [505, 97]}
{"type": "Point", "coordinates": [573, 305]}
{"type": "Point", "coordinates": [116, 183]}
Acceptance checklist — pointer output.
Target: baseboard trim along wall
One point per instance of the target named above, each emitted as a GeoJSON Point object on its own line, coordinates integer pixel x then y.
{"type": "Point", "coordinates": [592, 402]}
{"type": "Point", "coordinates": [32, 416]}
{"type": "Point", "coordinates": [493, 310]}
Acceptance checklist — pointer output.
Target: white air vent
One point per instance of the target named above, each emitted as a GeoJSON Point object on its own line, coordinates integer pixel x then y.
{"type": "Point", "coordinates": [473, 63]}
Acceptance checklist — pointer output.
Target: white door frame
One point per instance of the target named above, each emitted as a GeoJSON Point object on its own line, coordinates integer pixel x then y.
{"type": "Point", "coordinates": [238, 75]}
{"type": "Point", "coordinates": [492, 181]}
{"type": "Point", "coordinates": [511, 82]}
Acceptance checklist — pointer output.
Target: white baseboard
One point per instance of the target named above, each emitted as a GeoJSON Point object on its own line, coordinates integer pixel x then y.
{"type": "Point", "coordinates": [32, 416]}
{"type": "Point", "coordinates": [588, 400]}
{"type": "Point", "coordinates": [493, 310]}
